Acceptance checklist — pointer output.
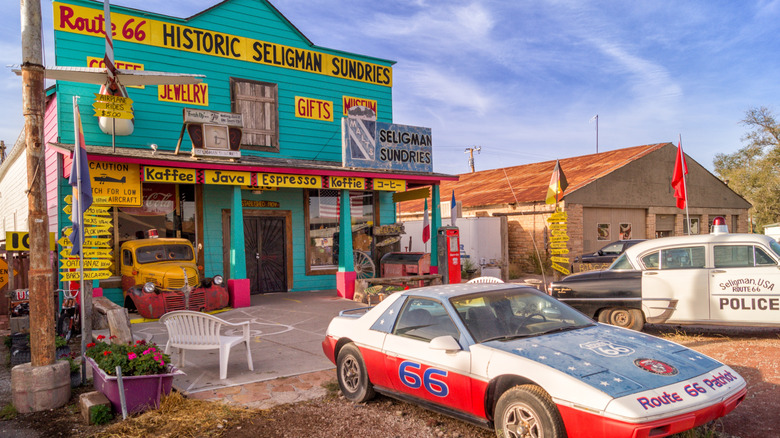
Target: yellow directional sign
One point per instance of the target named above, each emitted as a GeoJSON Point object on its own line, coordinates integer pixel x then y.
{"type": "Point", "coordinates": [114, 114]}
{"type": "Point", "coordinates": [94, 253]}
{"type": "Point", "coordinates": [68, 209]}
{"type": "Point", "coordinates": [112, 106]}
{"type": "Point", "coordinates": [112, 99]}
{"type": "Point", "coordinates": [69, 200]}
{"type": "Point", "coordinates": [88, 275]}
{"type": "Point", "coordinates": [97, 243]}
{"type": "Point", "coordinates": [559, 259]}
{"type": "Point", "coordinates": [98, 221]}
{"type": "Point", "coordinates": [98, 210]}
{"type": "Point", "coordinates": [64, 241]}
{"type": "Point", "coordinates": [96, 231]}
{"type": "Point", "coordinates": [88, 264]}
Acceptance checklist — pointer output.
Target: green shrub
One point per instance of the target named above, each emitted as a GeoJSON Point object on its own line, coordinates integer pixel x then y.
{"type": "Point", "coordinates": [100, 414]}
{"type": "Point", "coordinates": [8, 412]}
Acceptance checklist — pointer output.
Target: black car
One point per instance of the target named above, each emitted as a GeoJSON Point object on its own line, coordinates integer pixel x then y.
{"type": "Point", "coordinates": [607, 254]}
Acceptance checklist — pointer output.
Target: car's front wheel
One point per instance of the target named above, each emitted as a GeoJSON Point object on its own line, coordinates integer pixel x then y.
{"type": "Point", "coordinates": [527, 411]}
{"type": "Point", "coordinates": [352, 375]}
{"type": "Point", "coordinates": [632, 319]}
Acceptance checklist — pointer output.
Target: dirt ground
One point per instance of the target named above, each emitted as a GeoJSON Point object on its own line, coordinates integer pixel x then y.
{"type": "Point", "coordinates": [754, 353]}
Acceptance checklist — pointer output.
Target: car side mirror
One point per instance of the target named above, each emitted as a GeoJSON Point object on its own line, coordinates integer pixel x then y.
{"type": "Point", "coordinates": [446, 343]}
{"type": "Point", "coordinates": [600, 252]}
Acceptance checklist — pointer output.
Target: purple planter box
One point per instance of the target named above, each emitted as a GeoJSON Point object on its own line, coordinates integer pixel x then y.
{"type": "Point", "coordinates": [141, 392]}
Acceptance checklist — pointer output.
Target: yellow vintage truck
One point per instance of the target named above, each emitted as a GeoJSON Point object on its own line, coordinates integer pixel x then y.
{"type": "Point", "coordinates": [160, 275]}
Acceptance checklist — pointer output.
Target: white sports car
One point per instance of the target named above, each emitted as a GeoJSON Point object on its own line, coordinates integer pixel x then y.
{"type": "Point", "coordinates": [509, 357]}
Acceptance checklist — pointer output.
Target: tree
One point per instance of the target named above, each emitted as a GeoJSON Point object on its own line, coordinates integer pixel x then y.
{"type": "Point", "coordinates": [754, 170]}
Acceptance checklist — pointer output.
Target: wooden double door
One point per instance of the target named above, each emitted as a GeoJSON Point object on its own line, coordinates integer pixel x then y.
{"type": "Point", "coordinates": [267, 249]}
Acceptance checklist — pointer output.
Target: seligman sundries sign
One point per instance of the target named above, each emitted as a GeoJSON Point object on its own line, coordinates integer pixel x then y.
{"type": "Point", "coordinates": [378, 145]}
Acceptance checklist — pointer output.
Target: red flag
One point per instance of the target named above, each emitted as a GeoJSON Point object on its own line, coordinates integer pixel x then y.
{"type": "Point", "coordinates": [678, 178]}
{"type": "Point", "coordinates": [426, 234]}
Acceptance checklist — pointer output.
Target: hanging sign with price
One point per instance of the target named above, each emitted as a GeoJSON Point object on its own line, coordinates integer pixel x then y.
{"type": "Point", "coordinates": [115, 107]}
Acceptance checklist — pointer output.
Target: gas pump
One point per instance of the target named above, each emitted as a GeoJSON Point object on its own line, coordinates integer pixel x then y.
{"type": "Point", "coordinates": [449, 254]}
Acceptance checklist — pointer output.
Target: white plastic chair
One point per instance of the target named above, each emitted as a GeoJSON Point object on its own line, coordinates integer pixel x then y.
{"type": "Point", "coordinates": [485, 279]}
{"type": "Point", "coordinates": [188, 330]}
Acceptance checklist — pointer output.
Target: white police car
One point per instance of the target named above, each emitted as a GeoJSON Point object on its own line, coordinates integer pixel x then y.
{"type": "Point", "coordinates": [718, 278]}
{"type": "Point", "coordinates": [513, 358]}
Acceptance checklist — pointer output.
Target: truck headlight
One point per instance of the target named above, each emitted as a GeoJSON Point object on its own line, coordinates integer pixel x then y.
{"type": "Point", "coordinates": [218, 280]}
{"type": "Point", "coordinates": [149, 287]}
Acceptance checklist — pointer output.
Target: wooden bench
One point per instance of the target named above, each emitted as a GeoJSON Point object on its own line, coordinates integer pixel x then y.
{"type": "Point", "coordinates": [410, 281]}
{"type": "Point", "coordinates": [188, 330]}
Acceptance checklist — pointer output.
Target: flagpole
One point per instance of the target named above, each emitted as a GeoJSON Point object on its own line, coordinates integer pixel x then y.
{"type": "Point", "coordinates": [685, 185]}
{"type": "Point", "coordinates": [77, 201]}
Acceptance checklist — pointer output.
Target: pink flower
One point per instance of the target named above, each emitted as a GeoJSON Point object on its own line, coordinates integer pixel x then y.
{"type": "Point", "coordinates": [149, 350]}
{"type": "Point", "coordinates": [131, 356]}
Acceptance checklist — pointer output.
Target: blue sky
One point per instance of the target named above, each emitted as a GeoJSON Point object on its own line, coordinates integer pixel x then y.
{"type": "Point", "coordinates": [523, 79]}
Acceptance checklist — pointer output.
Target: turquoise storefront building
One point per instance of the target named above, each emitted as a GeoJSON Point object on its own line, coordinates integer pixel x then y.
{"type": "Point", "coordinates": [260, 164]}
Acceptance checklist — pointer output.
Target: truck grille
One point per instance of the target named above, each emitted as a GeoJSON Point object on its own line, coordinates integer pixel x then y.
{"type": "Point", "coordinates": [175, 301]}
{"type": "Point", "coordinates": [178, 283]}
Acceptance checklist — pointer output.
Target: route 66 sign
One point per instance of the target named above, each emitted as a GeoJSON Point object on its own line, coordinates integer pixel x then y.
{"type": "Point", "coordinates": [608, 349]}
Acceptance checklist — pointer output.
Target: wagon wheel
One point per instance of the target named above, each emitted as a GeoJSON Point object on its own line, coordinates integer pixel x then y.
{"type": "Point", "coordinates": [364, 266]}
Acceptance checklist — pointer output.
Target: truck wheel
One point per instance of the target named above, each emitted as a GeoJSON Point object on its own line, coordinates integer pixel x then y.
{"type": "Point", "coordinates": [527, 411]}
{"type": "Point", "coordinates": [632, 319]}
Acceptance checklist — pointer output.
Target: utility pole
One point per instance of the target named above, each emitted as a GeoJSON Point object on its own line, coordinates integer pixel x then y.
{"type": "Point", "coordinates": [470, 151]}
{"type": "Point", "coordinates": [40, 274]}
{"type": "Point", "coordinates": [2, 151]}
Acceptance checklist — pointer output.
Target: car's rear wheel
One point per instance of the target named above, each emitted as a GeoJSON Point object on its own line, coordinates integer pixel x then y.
{"type": "Point", "coordinates": [632, 319]}
{"type": "Point", "coordinates": [527, 411]}
{"type": "Point", "coordinates": [352, 375]}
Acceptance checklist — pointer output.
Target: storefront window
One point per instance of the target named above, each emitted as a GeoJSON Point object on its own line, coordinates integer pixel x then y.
{"type": "Point", "coordinates": [323, 226]}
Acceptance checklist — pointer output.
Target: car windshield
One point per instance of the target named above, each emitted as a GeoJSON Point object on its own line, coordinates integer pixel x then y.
{"type": "Point", "coordinates": [621, 263]}
{"type": "Point", "coordinates": [515, 313]}
{"type": "Point", "coordinates": [163, 253]}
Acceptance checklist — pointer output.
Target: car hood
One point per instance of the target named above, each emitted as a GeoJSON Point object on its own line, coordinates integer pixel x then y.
{"type": "Point", "coordinates": [613, 360]}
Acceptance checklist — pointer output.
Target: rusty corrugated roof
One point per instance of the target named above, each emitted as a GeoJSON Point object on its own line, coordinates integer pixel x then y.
{"type": "Point", "coordinates": [529, 182]}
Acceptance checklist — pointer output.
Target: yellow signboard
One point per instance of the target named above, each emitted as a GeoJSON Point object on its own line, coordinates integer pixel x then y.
{"type": "Point", "coordinates": [143, 30]}
{"type": "Point", "coordinates": [283, 180]}
{"type": "Point", "coordinates": [96, 242]}
{"type": "Point", "coordinates": [389, 185]}
{"type": "Point", "coordinates": [3, 273]}
{"type": "Point", "coordinates": [93, 253]}
{"type": "Point", "coordinates": [113, 114]}
{"type": "Point", "coordinates": [227, 177]}
{"type": "Point", "coordinates": [20, 241]}
{"type": "Point", "coordinates": [310, 108]}
{"type": "Point", "coordinates": [347, 183]}
{"type": "Point", "coordinates": [113, 99]}
{"type": "Point", "coordinates": [348, 102]}
{"type": "Point", "coordinates": [88, 275]}
{"type": "Point", "coordinates": [115, 183]}
{"type": "Point", "coordinates": [97, 220]}
{"type": "Point", "coordinates": [95, 62]}
{"type": "Point", "coordinates": [96, 231]}
{"type": "Point", "coordinates": [68, 209]}
{"type": "Point", "coordinates": [170, 175]}
{"type": "Point", "coordinates": [73, 263]}
{"type": "Point", "coordinates": [191, 94]}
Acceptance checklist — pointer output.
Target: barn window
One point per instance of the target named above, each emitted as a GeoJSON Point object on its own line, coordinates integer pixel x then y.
{"type": "Point", "coordinates": [258, 102]}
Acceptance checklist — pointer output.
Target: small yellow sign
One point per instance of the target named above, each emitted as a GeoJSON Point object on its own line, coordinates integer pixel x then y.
{"type": "Point", "coordinates": [64, 241]}
{"type": "Point", "coordinates": [170, 175]}
{"type": "Point", "coordinates": [96, 242]}
{"type": "Point", "coordinates": [113, 114]}
{"type": "Point", "coordinates": [227, 177]}
{"type": "Point", "coordinates": [97, 220]}
{"type": "Point", "coordinates": [111, 106]}
{"type": "Point", "coordinates": [88, 275]}
{"type": "Point", "coordinates": [20, 241]}
{"type": "Point", "coordinates": [68, 209]}
{"type": "Point", "coordinates": [96, 231]}
{"type": "Point", "coordinates": [92, 253]}
{"type": "Point", "coordinates": [191, 94]}
{"type": "Point", "coordinates": [389, 185]}
{"type": "Point", "coordinates": [111, 98]}
{"type": "Point", "coordinates": [73, 263]}
{"type": "Point", "coordinates": [284, 180]}
{"type": "Point", "coordinates": [348, 102]}
{"type": "Point", "coordinates": [310, 108]}
{"type": "Point", "coordinates": [115, 184]}
{"type": "Point", "coordinates": [347, 183]}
